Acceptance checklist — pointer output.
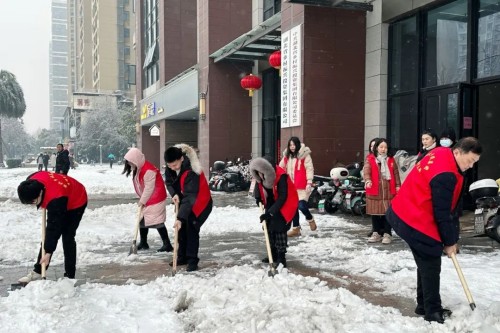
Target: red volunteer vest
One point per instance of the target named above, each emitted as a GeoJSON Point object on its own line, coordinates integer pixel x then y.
{"type": "Point", "coordinates": [413, 204]}
{"type": "Point", "coordinates": [289, 209]}
{"type": "Point", "coordinates": [58, 185]}
{"type": "Point", "coordinates": [159, 193]}
{"type": "Point", "coordinates": [203, 197]}
{"type": "Point", "coordinates": [299, 173]}
{"type": "Point", "coordinates": [375, 175]}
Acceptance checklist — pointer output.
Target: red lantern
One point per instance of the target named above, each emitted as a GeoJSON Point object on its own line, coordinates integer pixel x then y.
{"type": "Point", "coordinates": [275, 60]}
{"type": "Point", "coordinates": [251, 83]}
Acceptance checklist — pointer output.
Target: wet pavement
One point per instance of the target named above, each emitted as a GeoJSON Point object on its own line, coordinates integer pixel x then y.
{"type": "Point", "coordinates": [230, 249]}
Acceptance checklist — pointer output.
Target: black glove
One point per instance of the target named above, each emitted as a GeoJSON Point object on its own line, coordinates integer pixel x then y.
{"type": "Point", "coordinates": [266, 217]}
{"type": "Point", "coordinates": [258, 202]}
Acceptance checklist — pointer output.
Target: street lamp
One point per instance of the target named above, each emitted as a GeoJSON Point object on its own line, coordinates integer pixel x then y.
{"type": "Point", "coordinates": [100, 154]}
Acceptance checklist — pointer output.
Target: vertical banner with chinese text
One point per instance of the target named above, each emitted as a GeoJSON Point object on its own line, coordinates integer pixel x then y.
{"type": "Point", "coordinates": [291, 77]}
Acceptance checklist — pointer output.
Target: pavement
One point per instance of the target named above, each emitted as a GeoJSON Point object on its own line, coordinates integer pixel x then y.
{"type": "Point", "coordinates": [217, 251]}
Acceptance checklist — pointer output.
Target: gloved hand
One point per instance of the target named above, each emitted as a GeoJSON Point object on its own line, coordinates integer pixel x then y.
{"type": "Point", "coordinates": [266, 217]}
{"type": "Point", "coordinates": [258, 202]}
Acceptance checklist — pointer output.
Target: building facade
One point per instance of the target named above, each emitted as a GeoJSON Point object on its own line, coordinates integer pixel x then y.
{"type": "Point", "coordinates": [351, 71]}
{"type": "Point", "coordinates": [58, 64]}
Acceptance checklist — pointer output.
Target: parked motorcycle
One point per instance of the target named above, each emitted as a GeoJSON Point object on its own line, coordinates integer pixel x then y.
{"type": "Point", "coordinates": [331, 194]}
{"type": "Point", "coordinates": [486, 216]}
{"type": "Point", "coordinates": [230, 176]}
{"type": "Point", "coordinates": [354, 196]}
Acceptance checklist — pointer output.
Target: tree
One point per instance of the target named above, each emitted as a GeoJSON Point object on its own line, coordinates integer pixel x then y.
{"type": "Point", "coordinates": [111, 127]}
{"type": "Point", "coordinates": [17, 142]}
{"type": "Point", "coordinates": [12, 104]}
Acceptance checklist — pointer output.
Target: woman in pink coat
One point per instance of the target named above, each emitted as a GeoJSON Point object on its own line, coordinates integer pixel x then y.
{"type": "Point", "coordinates": [150, 188]}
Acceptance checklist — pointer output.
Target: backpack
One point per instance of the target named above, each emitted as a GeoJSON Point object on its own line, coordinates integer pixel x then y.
{"type": "Point", "coordinates": [405, 163]}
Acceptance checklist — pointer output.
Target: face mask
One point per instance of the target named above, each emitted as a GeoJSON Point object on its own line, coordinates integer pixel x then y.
{"type": "Point", "coordinates": [445, 142]}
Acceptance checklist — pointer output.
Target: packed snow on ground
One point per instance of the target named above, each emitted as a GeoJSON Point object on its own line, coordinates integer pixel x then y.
{"type": "Point", "coordinates": [236, 299]}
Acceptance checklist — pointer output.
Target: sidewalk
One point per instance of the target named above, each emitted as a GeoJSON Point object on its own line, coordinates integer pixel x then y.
{"type": "Point", "coordinates": [247, 249]}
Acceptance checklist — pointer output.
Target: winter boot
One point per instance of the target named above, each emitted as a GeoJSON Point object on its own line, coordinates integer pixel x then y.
{"type": "Point", "coordinates": [192, 265]}
{"type": "Point", "coordinates": [32, 276]}
{"type": "Point", "coordinates": [294, 232]}
{"type": "Point", "coordinates": [312, 225]}
{"type": "Point", "coordinates": [280, 260]}
{"type": "Point", "coordinates": [167, 247]}
{"type": "Point", "coordinates": [143, 245]}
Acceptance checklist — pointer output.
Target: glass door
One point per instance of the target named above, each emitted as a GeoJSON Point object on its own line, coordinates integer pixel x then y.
{"type": "Point", "coordinates": [440, 110]}
{"type": "Point", "coordinates": [488, 120]}
{"type": "Point", "coordinates": [271, 117]}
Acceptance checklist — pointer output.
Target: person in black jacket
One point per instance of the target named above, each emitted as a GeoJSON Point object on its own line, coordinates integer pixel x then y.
{"type": "Point", "coordinates": [46, 159]}
{"type": "Point", "coordinates": [424, 215]}
{"type": "Point", "coordinates": [188, 188]}
{"type": "Point", "coordinates": [277, 193]}
{"type": "Point", "coordinates": [62, 160]}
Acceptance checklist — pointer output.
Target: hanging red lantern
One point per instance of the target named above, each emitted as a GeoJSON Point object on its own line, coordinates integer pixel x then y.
{"type": "Point", "coordinates": [275, 60]}
{"type": "Point", "coordinates": [251, 83]}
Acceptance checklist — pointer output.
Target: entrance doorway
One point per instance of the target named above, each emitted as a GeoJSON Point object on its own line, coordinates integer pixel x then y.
{"type": "Point", "coordinates": [440, 110]}
{"type": "Point", "coordinates": [271, 116]}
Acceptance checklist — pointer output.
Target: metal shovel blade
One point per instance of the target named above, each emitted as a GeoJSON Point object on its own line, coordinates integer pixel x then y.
{"type": "Point", "coordinates": [133, 248]}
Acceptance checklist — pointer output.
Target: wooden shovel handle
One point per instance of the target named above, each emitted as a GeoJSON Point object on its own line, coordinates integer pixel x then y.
{"type": "Point", "coordinates": [462, 280]}
{"type": "Point", "coordinates": [176, 241]}
{"type": "Point", "coordinates": [268, 244]}
{"type": "Point", "coordinates": [44, 226]}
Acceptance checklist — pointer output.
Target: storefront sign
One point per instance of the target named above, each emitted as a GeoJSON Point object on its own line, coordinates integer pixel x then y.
{"type": "Point", "coordinates": [148, 110]}
{"type": "Point", "coordinates": [291, 77]}
{"type": "Point", "coordinates": [154, 130]}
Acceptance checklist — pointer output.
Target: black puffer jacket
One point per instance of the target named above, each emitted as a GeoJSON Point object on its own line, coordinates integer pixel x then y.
{"type": "Point", "coordinates": [62, 162]}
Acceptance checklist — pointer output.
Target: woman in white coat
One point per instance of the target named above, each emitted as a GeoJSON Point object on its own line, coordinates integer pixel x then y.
{"type": "Point", "coordinates": [149, 186]}
{"type": "Point", "coordinates": [297, 163]}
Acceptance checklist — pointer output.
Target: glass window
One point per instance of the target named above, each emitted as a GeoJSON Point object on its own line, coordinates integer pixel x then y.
{"type": "Point", "coordinates": [446, 44]}
{"type": "Point", "coordinates": [404, 56]}
{"type": "Point", "coordinates": [488, 49]}
{"type": "Point", "coordinates": [403, 122]}
{"type": "Point", "coordinates": [271, 7]}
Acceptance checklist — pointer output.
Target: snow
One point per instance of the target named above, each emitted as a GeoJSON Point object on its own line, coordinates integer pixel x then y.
{"type": "Point", "coordinates": [240, 298]}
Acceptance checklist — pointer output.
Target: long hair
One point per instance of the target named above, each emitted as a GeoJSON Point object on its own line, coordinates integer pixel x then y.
{"type": "Point", "coordinates": [374, 140]}
{"type": "Point", "coordinates": [296, 142]}
{"type": "Point", "coordinates": [127, 169]}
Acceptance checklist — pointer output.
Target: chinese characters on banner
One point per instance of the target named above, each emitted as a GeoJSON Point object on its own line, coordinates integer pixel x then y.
{"type": "Point", "coordinates": [291, 77]}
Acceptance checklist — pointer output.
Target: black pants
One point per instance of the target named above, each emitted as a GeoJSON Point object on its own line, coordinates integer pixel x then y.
{"type": "Point", "coordinates": [189, 240]}
{"type": "Point", "coordinates": [145, 230]}
{"type": "Point", "coordinates": [71, 223]}
{"type": "Point", "coordinates": [428, 281]}
{"type": "Point", "coordinates": [40, 167]}
{"type": "Point", "coordinates": [380, 225]}
{"type": "Point", "coordinates": [305, 210]}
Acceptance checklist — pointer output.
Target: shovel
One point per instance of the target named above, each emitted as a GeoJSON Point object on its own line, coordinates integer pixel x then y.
{"type": "Point", "coordinates": [44, 226]}
{"type": "Point", "coordinates": [133, 248]}
{"type": "Point", "coordinates": [176, 242]}
{"type": "Point", "coordinates": [272, 270]}
{"type": "Point", "coordinates": [464, 283]}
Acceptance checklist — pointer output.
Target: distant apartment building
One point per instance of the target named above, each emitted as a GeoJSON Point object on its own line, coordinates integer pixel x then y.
{"type": "Point", "coordinates": [58, 64]}
{"type": "Point", "coordinates": [101, 39]}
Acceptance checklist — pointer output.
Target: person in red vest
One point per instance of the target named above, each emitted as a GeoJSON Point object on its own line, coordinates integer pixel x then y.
{"type": "Point", "coordinates": [148, 185]}
{"type": "Point", "coordinates": [424, 214]}
{"type": "Point", "coordinates": [188, 187]}
{"type": "Point", "coordinates": [297, 163]}
{"type": "Point", "coordinates": [65, 200]}
{"type": "Point", "coordinates": [381, 175]}
{"type": "Point", "coordinates": [276, 191]}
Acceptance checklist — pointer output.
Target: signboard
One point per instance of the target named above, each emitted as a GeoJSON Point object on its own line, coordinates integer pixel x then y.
{"type": "Point", "coordinates": [285, 73]}
{"type": "Point", "coordinates": [82, 103]}
{"type": "Point", "coordinates": [291, 77]}
{"type": "Point", "coordinates": [154, 130]}
{"type": "Point", "coordinates": [148, 110]}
